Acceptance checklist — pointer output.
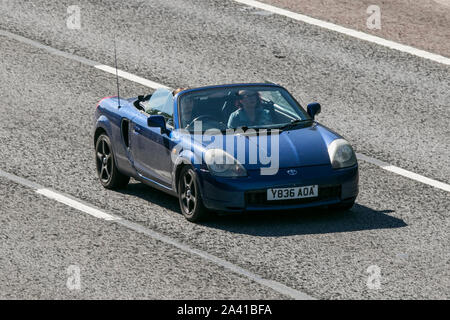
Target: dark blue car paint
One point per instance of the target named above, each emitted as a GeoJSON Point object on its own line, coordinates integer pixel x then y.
{"type": "Point", "coordinates": [148, 159]}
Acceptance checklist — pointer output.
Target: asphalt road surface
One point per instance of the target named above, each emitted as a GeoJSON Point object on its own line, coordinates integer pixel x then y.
{"type": "Point", "coordinates": [422, 24]}
{"type": "Point", "coordinates": [392, 106]}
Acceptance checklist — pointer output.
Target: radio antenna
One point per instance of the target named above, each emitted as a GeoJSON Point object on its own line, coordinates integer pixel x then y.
{"type": "Point", "coordinates": [117, 74]}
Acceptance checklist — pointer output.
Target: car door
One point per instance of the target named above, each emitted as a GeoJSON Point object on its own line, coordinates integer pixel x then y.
{"type": "Point", "coordinates": [151, 148]}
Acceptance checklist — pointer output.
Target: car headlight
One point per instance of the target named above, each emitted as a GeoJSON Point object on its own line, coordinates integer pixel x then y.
{"type": "Point", "coordinates": [341, 154]}
{"type": "Point", "coordinates": [222, 164]}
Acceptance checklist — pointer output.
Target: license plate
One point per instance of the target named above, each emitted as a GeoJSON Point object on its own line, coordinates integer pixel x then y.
{"type": "Point", "coordinates": [293, 193]}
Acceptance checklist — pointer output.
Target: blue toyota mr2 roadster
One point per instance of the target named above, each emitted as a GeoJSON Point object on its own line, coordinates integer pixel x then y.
{"type": "Point", "coordinates": [225, 148]}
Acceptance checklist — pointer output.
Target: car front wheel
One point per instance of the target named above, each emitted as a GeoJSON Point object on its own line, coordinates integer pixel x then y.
{"type": "Point", "coordinates": [191, 202]}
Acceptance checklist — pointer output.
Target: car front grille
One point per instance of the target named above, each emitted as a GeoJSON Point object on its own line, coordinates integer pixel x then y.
{"type": "Point", "coordinates": [259, 197]}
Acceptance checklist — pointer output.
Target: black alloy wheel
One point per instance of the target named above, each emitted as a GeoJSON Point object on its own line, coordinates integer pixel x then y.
{"type": "Point", "coordinates": [110, 177]}
{"type": "Point", "coordinates": [191, 203]}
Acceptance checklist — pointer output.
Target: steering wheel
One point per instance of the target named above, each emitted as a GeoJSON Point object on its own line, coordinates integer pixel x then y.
{"type": "Point", "coordinates": [202, 117]}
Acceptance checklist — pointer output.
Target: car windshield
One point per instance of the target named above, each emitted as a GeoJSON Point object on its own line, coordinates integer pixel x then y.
{"type": "Point", "coordinates": [257, 107]}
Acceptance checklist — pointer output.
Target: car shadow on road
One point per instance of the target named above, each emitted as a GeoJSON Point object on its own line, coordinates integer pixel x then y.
{"type": "Point", "coordinates": [281, 223]}
{"type": "Point", "coordinates": [307, 221]}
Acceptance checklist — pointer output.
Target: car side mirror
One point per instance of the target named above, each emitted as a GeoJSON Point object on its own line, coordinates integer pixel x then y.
{"type": "Point", "coordinates": [157, 121]}
{"type": "Point", "coordinates": [313, 109]}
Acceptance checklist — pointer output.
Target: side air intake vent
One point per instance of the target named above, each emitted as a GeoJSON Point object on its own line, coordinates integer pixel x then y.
{"type": "Point", "coordinates": [125, 128]}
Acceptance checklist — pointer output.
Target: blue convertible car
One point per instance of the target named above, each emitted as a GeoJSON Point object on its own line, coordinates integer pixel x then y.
{"type": "Point", "coordinates": [225, 148]}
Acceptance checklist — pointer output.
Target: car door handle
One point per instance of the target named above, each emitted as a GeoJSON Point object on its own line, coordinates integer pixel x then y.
{"type": "Point", "coordinates": [137, 130]}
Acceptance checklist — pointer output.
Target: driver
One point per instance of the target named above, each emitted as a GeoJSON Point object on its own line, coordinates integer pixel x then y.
{"type": "Point", "coordinates": [250, 112]}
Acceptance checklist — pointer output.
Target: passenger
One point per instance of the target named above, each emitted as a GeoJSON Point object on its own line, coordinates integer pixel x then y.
{"type": "Point", "coordinates": [177, 90]}
{"type": "Point", "coordinates": [187, 111]}
{"type": "Point", "coordinates": [250, 112]}
{"type": "Point", "coordinates": [187, 108]}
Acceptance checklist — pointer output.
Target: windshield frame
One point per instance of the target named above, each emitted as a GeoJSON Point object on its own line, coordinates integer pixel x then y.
{"type": "Point", "coordinates": [303, 114]}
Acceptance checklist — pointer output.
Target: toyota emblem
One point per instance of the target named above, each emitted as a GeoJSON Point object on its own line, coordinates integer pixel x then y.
{"type": "Point", "coordinates": [292, 172]}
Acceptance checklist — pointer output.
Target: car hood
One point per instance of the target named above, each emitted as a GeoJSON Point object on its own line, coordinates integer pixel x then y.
{"type": "Point", "coordinates": [297, 148]}
{"type": "Point", "coordinates": [307, 146]}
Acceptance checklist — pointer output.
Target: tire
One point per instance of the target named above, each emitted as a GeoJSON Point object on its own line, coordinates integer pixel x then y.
{"type": "Point", "coordinates": [110, 177]}
{"type": "Point", "coordinates": [191, 203]}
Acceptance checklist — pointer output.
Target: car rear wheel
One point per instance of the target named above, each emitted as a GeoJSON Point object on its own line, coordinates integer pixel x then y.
{"type": "Point", "coordinates": [191, 202]}
{"type": "Point", "coordinates": [110, 177]}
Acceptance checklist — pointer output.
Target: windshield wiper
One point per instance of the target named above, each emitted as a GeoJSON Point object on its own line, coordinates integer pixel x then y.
{"type": "Point", "coordinates": [293, 123]}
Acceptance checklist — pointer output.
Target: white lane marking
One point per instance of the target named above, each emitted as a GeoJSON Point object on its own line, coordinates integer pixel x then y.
{"type": "Point", "coordinates": [92, 63]}
{"type": "Point", "coordinates": [76, 204]}
{"type": "Point", "coordinates": [97, 213]}
{"type": "Point", "coordinates": [404, 173]}
{"type": "Point", "coordinates": [155, 85]}
{"type": "Point", "coordinates": [347, 31]}
{"type": "Point", "coordinates": [131, 77]}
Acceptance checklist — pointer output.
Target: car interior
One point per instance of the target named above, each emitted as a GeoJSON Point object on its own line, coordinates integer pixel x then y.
{"type": "Point", "coordinates": [221, 107]}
